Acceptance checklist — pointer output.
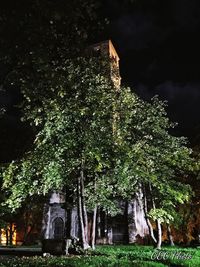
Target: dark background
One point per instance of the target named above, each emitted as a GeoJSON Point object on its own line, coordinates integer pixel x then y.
{"type": "Point", "coordinates": [158, 43]}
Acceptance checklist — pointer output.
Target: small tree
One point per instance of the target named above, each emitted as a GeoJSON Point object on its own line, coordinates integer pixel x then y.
{"type": "Point", "coordinates": [153, 159]}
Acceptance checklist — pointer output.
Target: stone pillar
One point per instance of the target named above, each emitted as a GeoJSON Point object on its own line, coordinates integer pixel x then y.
{"type": "Point", "coordinates": [132, 230]}
{"type": "Point", "coordinates": [46, 222]}
{"type": "Point", "coordinates": [68, 244]}
{"type": "Point", "coordinates": [74, 232]}
{"type": "Point", "coordinates": [110, 236]}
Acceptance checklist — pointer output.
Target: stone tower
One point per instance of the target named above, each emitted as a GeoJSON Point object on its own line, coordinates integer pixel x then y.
{"type": "Point", "coordinates": [107, 51]}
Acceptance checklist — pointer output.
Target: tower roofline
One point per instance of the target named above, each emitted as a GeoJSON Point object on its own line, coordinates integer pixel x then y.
{"type": "Point", "coordinates": [111, 47]}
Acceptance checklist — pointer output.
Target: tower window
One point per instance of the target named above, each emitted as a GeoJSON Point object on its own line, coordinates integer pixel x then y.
{"type": "Point", "coordinates": [58, 228]}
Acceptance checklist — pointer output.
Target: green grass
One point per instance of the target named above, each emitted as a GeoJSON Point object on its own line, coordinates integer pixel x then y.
{"type": "Point", "coordinates": [112, 256]}
{"type": "Point", "coordinates": [146, 253]}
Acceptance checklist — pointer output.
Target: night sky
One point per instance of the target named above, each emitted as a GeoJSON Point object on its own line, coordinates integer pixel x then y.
{"type": "Point", "coordinates": [158, 43]}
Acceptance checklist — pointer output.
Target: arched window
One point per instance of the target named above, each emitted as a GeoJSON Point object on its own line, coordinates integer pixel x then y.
{"type": "Point", "coordinates": [58, 228]}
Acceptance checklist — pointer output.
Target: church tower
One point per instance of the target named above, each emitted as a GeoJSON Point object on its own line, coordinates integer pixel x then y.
{"type": "Point", "coordinates": [107, 51]}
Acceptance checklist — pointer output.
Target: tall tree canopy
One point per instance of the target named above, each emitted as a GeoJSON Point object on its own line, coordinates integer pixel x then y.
{"type": "Point", "coordinates": [113, 141]}
{"type": "Point", "coordinates": [35, 36]}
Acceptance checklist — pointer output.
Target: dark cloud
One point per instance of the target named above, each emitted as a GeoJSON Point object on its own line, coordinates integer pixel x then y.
{"type": "Point", "coordinates": [158, 43]}
{"type": "Point", "coordinates": [183, 103]}
{"type": "Point", "coordinates": [186, 14]}
{"type": "Point", "coordinates": [136, 32]}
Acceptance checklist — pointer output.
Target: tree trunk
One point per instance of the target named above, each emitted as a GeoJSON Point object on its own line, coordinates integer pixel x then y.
{"type": "Point", "coordinates": [159, 239]}
{"type": "Point", "coordinates": [26, 215]}
{"type": "Point", "coordinates": [7, 237]}
{"type": "Point", "coordinates": [94, 219]}
{"type": "Point", "coordinates": [159, 229]}
{"type": "Point", "coordinates": [99, 223]}
{"type": "Point", "coordinates": [28, 234]}
{"type": "Point", "coordinates": [169, 234]}
{"type": "Point", "coordinates": [24, 237]}
{"type": "Point", "coordinates": [82, 212]}
{"type": "Point", "coordinates": [150, 227]}
{"type": "Point", "coordinates": [81, 216]}
{"type": "Point", "coordinates": [152, 198]}
{"type": "Point", "coordinates": [85, 218]}
{"type": "Point", "coordinates": [94, 227]}
{"type": "Point", "coordinates": [11, 234]}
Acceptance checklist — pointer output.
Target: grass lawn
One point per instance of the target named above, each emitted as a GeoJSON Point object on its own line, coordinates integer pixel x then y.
{"type": "Point", "coordinates": [115, 256]}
